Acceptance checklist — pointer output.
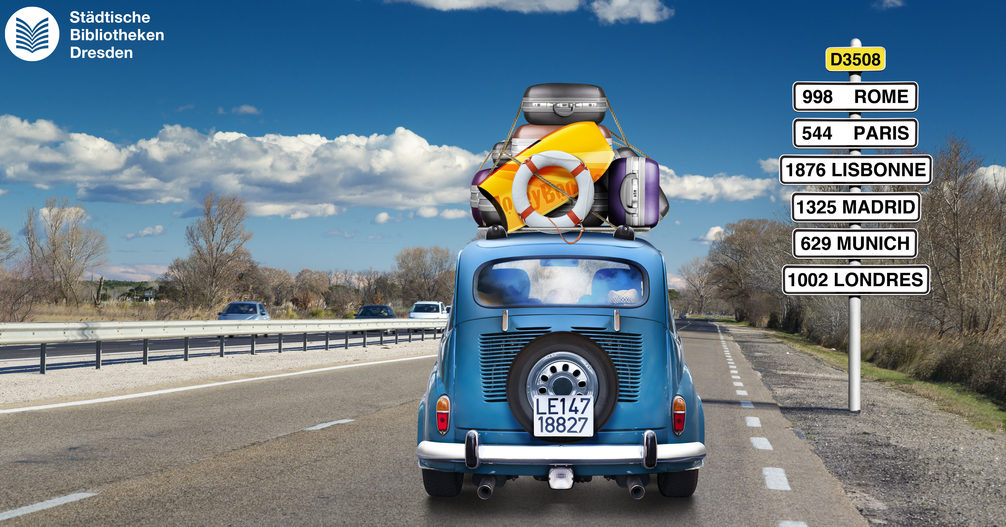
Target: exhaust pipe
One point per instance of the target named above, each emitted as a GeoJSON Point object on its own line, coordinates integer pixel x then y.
{"type": "Point", "coordinates": [486, 486]}
{"type": "Point", "coordinates": [636, 488]}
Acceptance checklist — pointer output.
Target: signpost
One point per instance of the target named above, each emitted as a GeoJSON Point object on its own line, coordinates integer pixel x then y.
{"type": "Point", "coordinates": [855, 207]}
{"type": "Point", "coordinates": [912, 169]}
{"type": "Point", "coordinates": [855, 96]}
{"type": "Point", "coordinates": [844, 207]}
{"type": "Point", "coordinates": [855, 133]}
{"type": "Point", "coordinates": [855, 280]}
{"type": "Point", "coordinates": [855, 243]}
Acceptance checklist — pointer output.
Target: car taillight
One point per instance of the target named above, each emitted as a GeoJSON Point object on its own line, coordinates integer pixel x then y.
{"type": "Point", "coordinates": [443, 414]}
{"type": "Point", "coordinates": [678, 413]}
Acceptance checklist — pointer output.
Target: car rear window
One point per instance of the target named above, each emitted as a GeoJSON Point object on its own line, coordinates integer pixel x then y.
{"type": "Point", "coordinates": [560, 281]}
{"type": "Point", "coordinates": [241, 309]}
{"type": "Point", "coordinates": [425, 308]}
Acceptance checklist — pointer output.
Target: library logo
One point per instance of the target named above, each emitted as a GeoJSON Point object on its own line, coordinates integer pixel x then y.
{"type": "Point", "coordinates": [32, 34]}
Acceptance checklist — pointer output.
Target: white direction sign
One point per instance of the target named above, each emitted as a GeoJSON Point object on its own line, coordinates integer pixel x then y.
{"type": "Point", "coordinates": [855, 244]}
{"type": "Point", "coordinates": [855, 133]}
{"type": "Point", "coordinates": [855, 280]}
{"type": "Point", "coordinates": [855, 96]}
{"type": "Point", "coordinates": [915, 169]}
{"type": "Point", "coordinates": [848, 207]}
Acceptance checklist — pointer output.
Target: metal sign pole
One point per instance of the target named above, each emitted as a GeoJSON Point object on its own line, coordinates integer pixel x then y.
{"type": "Point", "coordinates": [855, 313]}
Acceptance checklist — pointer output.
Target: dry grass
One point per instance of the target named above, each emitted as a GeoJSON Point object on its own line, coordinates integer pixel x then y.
{"type": "Point", "coordinates": [119, 311]}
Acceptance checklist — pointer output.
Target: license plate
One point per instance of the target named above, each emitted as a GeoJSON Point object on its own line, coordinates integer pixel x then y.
{"type": "Point", "coordinates": [563, 416]}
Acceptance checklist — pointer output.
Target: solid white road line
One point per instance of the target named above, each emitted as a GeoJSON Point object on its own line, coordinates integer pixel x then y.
{"type": "Point", "coordinates": [43, 505]}
{"type": "Point", "coordinates": [747, 404]}
{"type": "Point", "coordinates": [328, 424]}
{"type": "Point", "coordinates": [761, 443]}
{"type": "Point", "coordinates": [775, 478]}
{"type": "Point", "coordinates": [742, 392]}
{"type": "Point", "coordinates": [201, 386]}
{"type": "Point", "coordinates": [753, 422]}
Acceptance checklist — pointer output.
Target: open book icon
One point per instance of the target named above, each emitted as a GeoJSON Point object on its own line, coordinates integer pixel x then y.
{"type": "Point", "coordinates": [32, 39]}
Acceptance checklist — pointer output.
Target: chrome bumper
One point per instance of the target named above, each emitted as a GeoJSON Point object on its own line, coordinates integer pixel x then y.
{"type": "Point", "coordinates": [559, 454]}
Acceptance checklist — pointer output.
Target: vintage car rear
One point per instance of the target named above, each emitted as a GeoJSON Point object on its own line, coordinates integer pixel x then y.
{"type": "Point", "coordinates": [540, 321]}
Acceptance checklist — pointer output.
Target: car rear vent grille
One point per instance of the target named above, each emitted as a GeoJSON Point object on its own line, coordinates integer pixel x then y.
{"type": "Point", "coordinates": [626, 352]}
{"type": "Point", "coordinates": [497, 351]}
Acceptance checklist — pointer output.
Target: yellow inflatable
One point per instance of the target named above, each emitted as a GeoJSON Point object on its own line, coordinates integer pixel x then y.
{"type": "Point", "coordinates": [583, 140]}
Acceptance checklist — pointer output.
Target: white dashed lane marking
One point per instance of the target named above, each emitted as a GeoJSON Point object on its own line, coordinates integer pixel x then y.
{"type": "Point", "coordinates": [775, 478]}
{"type": "Point", "coordinates": [735, 376]}
{"type": "Point", "coordinates": [753, 422]}
{"type": "Point", "coordinates": [742, 392]}
{"type": "Point", "coordinates": [43, 505]}
{"type": "Point", "coordinates": [791, 523]}
{"type": "Point", "coordinates": [738, 383]}
{"type": "Point", "coordinates": [328, 424]}
{"type": "Point", "coordinates": [761, 443]}
{"type": "Point", "coordinates": [747, 404]}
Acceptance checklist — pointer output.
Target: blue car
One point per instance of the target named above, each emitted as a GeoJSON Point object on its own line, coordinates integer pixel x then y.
{"type": "Point", "coordinates": [244, 311]}
{"type": "Point", "coordinates": [560, 362]}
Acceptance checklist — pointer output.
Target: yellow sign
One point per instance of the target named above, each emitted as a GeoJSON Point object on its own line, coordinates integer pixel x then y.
{"type": "Point", "coordinates": [855, 59]}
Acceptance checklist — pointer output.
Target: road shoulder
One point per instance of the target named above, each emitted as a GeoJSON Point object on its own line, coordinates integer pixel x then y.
{"type": "Point", "coordinates": [902, 461]}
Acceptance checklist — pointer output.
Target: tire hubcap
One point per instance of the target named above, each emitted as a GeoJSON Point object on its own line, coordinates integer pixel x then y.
{"type": "Point", "coordinates": [561, 373]}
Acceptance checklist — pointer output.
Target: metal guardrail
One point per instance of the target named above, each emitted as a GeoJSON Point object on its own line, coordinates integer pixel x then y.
{"type": "Point", "coordinates": [44, 333]}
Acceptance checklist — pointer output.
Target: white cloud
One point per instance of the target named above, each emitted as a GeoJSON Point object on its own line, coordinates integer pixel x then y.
{"type": "Point", "coordinates": [293, 211]}
{"type": "Point", "coordinates": [336, 232]}
{"type": "Point", "coordinates": [710, 236]}
{"type": "Point", "coordinates": [71, 214]}
{"type": "Point", "coordinates": [676, 282]}
{"type": "Point", "coordinates": [184, 107]}
{"type": "Point", "coordinates": [521, 6]}
{"type": "Point", "coordinates": [888, 4]}
{"type": "Point", "coordinates": [993, 175]}
{"type": "Point", "coordinates": [455, 214]}
{"type": "Point", "coordinates": [245, 109]}
{"type": "Point", "coordinates": [220, 110]}
{"type": "Point", "coordinates": [607, 11]}
{"type": "Point", "coordinates": [714, 188]}
{"type": "Point", "coordinates": [382, 217]}
{"type": "Point", "coordinates": [155, 230]}
{"type": "Point", "coordinates": [135, 273]}
{"type": "Point", "coordinates": [427, 212]}
{"type": "Point", "coordinates": [646, 11]}
{"type": "Point", "coordinates": [770, 165]}
{"type": "Point", "coordinates": [2, 191]}
{"type": "Point", "coordinates": [295, 176]}
{"type": "Point", "coordinates": [677, 222]}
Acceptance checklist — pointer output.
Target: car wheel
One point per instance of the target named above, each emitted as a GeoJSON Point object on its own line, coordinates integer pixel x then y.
{"type": "Point", "coordinates": [561, 363]}
{"type": "Point", "coordinates": [678, 484]}
{"type": "Point", "coordinates": [442, 484]}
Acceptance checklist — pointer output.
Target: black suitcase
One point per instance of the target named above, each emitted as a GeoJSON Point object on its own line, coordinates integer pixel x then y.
{"type": "Point", "coordinates": [562, 103]}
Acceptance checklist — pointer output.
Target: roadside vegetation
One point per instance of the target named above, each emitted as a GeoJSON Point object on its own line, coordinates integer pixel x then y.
{"type": "Point", "coordinates": [50, 274]}
{"type": "Point", "coordinates": [955, 336]}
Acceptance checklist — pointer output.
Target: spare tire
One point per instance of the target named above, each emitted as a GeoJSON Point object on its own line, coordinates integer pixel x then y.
{"type": "Point", "coordinates": [561, 363]}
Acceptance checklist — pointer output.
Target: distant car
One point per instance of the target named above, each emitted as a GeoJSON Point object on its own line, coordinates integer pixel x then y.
{"type": "Point", "coordinates": [244, 311]}
{"type": "Point", "coordinates": [684, 316]}
{"type": "Point", "coordinates": [448, 310]}
{"type": "Point", "coordinates": [375, 311]}
{"type": "Point", "coordinates": [425, 309]}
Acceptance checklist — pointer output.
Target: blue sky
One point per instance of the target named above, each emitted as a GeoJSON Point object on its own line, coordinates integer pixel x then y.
{"type": "Point", "coordinates": [352, 128]}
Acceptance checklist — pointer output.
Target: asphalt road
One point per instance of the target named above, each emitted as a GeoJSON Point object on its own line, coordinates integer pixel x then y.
{"type": "Point", "coordinates": [240, 455]}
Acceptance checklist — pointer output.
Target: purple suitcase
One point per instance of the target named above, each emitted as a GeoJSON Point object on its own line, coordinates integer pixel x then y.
{"type": "Point", "coordinates": [483, 211]}
{"type": "Point", "coordinates": [634, 192]}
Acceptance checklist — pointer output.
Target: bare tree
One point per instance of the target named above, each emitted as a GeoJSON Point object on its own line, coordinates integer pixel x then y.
{"type": "Point", "coordinates": [217, 255]}
{"type": "Point", "coordinates": [310, 288]}
{"type": "Point", "coordinates": [280, 286]}
{"type": "Point", "coordinates": [696, 274]}
{"type": "Point", "coordinates": [60, 248]}
{"type": "Point", "coordinates": [424, 273]}
{"type": "Point", "coordinates": [7, 248]}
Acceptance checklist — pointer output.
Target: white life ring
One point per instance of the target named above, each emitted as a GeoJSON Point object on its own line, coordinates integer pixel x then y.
{"type": "Point", "coordinates": [552, 158]}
